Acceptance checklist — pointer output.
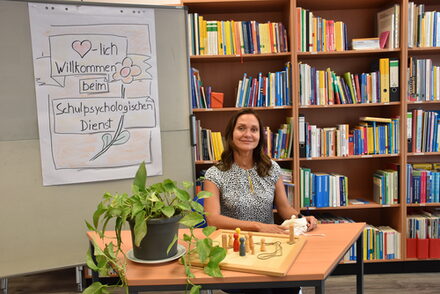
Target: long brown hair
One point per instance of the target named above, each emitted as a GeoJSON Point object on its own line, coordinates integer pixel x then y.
{"type": "Point", "coordinates": [261, 160]}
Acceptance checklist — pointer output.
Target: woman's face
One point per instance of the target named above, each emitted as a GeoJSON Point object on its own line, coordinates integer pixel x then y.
{"type": "Point", "coordinates": [246, 133]}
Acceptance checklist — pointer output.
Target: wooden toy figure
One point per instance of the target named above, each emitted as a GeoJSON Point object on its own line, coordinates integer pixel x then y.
{"type": "Point", "coordinates": [225, 241]}
{"type": "Point", "coordinates": [262, 245]}
{"type": "Point", "coordinates": [242, 247]}
{"type": "Point", "coordinates": [291, 235]}
{"type": "Point", "coordinates": [230, 242]}
{"type": "Point", "coordinates": [236, 243]}
{"type": "Point", "coordinates": [248, 248]}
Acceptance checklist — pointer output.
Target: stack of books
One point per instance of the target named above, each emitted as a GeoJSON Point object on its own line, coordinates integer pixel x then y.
{"type": "Point", "coordinates": [423, 26]}
{"type": "Point", "coordinates": [423, 132]}
{"type": "Point", "coordinates": [423, 81]}
{"type": "Point", "coordinates": [423, 183]}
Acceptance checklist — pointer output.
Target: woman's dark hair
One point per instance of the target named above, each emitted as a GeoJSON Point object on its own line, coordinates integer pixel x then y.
{"type": "Point", "coordinates": [261, 159]}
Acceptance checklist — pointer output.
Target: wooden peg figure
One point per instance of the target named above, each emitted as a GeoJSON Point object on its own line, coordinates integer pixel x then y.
{"type": "Point", "coordinates": [251, 243]}
{"type": "Point", "coordinates": [291, 235]}
{"type": "Point", "coordinates": [230, 242]}
{"type": "Point", "coordinates": [262, 245]}
{"type": "Point", "coordinates": [242, 247]}
{"type": "Point", "coordinates": [238, 230]}
{"type": "Point", "coordinates": [225, 241]}
{"type": "Point", "coordinates": [236, 243]}
{"type": "Point", "coordinates": [248, 248]}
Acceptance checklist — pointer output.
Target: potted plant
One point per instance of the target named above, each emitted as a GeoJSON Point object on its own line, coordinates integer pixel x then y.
{"type": "Point", "coordinates": [164, 203]}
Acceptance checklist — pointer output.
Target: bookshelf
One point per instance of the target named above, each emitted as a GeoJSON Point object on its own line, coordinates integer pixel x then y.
{"type": "Point", "coordinates": [222, 73]}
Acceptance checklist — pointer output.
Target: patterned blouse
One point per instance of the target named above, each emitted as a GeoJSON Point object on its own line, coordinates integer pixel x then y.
{"type": "Point", "coordinates": [244, 194]}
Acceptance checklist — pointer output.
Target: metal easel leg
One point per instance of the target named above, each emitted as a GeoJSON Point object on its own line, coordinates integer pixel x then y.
{"type": "Point", "coordinates": [4, 285]}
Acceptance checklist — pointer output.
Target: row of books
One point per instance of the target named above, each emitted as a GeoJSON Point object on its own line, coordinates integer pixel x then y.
{"type": "Point", "coordinates": [423, 26]}
{"type": "Point", "coordinates": [279, 144]}
{"type": "Point", "coordinates": [265, 91]}
{"type": "Point", "coordinates": [199, 98]}
{"type": "Point", "coordinates": [423, 225]}
{"type": "Point", "coordinates": [423, 80]}
{"type": "Point", "coordinates": [423, 183]}
{"type": "Point", "coordinates": [423, 132]}
{"type": "Point", "coordinates": [373, 135]}
{"type": "Point", "coordinates": [220, 37]}
{"type": "Point", "coordinates": [322, 190]}
{"type": "Point", "coordinates": [379, 242]}
{"type": "Point", "coordinates": [324, 87]}
{"type": "Point", "coordinates": [209, 144]}
{"type": "Point", "coordinates": [388, 24]}
{"type": "Point", "coordinates": [386, 186]}
{"type": "Point", "coordinates": [319, 34]}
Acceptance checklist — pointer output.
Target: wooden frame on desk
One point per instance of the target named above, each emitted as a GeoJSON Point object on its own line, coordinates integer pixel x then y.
{"type": "Point", "coordinates": [324, 249]}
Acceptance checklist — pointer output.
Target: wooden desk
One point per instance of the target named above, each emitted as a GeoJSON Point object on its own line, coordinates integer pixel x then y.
{"type": "Point", "coordinates": [314, 264]}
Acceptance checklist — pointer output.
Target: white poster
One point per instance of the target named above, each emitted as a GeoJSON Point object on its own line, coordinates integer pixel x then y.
{"type": "Point", "coordinates": [96, 89]}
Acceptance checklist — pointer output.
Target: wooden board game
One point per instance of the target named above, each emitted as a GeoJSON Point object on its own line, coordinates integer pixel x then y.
{"type": "Point", "coordinates": [275, 261]}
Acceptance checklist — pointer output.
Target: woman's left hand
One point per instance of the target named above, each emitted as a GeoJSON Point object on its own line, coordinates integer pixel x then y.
{"type": "Point", "coordinates": [312, 222]}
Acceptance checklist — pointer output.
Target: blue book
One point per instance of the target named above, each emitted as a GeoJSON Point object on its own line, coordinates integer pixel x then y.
{"type": "Point", "coordinates": [322, 185]}
{"type": "Point", "coordinates": [409, 182]}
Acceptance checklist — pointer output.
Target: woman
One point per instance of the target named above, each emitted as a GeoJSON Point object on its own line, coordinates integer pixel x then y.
{"type": "Point", "coordinates": [246, 183]}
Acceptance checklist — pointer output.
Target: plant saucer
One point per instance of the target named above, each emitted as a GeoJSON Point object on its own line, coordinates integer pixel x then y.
{"type": "Point", "coordinates": [180, 251]}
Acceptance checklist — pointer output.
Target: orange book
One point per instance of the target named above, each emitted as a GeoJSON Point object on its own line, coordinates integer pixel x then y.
{"type": "Point", "coordinates": [271, 38]}
{"type": "Point", "coordinates": [217, 99]}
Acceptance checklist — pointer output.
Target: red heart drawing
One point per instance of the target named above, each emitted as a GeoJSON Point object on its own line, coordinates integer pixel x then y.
{"type": "Point", "coordinates": [82, 47]}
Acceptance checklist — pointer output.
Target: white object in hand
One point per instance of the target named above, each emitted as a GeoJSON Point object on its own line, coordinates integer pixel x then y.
{"type": "Point", "coordinates": [300, 224]}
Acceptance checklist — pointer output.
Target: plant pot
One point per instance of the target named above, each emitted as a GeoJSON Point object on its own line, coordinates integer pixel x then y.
{"type": "Point", "coordinates": [160, 234]}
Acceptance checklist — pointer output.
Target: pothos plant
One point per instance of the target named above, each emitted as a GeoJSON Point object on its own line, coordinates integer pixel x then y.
{"type": "Point", "coordinates": [160, 200]}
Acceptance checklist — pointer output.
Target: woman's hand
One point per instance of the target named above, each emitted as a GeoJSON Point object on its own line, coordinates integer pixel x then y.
{"type": "Point", "coordinates": [312, 222]}
{"type": "Point", "coordinates": [271, 228]}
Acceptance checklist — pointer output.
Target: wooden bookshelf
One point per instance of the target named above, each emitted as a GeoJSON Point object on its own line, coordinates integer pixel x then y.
{"type": "Point", "coordinates": [223, 72]}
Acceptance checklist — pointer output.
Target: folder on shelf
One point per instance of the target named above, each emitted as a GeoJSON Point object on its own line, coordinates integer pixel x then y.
{"type": "Point", "coordinates": [434, 248]}
{"type": "Point", "coordinates": [394, 80]}
{"type": "Point", "coordinates": [302, 136]}
{"type": "Point", "coordinates": [384, 69]}
{"type": "Point", "coordinates": [422, 248]}
{"type": "Point", "coordinates": [411, 248]}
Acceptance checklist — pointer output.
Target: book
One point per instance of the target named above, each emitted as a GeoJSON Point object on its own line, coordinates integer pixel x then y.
{"type": "Point", "coordinates": [365, 43]}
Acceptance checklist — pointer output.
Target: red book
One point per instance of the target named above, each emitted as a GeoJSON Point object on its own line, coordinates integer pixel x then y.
{"type": "Point", "coordinates": [358, 88]}
{"type": "Point", "coordinates": [350, 144]}
{"type": "Point", "coordinates": [217, 100]}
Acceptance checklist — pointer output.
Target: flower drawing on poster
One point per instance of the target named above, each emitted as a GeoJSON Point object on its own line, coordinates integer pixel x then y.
{"type": "Point", "coordinates": [96, 91]}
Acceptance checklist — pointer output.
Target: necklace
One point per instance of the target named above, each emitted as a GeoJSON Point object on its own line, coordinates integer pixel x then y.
{"type": "Point", "coordinates": [251, 185]}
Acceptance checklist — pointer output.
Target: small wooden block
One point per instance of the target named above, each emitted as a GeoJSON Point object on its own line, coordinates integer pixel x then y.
{"type": "Point", "coordinates": [291, 235]}
{"type": "Point", "coordinates": [262, 245]}
{"type": "Point", "coordinates": [225, 241]}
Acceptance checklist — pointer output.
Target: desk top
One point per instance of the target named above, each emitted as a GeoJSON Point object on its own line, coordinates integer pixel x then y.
{"type": "Point", "coordinates": [316, 261]}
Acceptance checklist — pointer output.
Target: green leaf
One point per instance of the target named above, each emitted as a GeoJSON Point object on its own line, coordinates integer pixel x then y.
{"type": "Point", "coordinates": [140, 227]}
{"type": "Point", "coordinates": [99, 211]}
{"type": "Point", "coordinates": [203, 249]}
{"type": "Point", "coordinates": [204, 194]}
{"type": "Point", "coordinates": [172, 243]}
{"type": "Point", "coordinates": [89, 261]}
{"type": "Point", "coordinates": [169, 185]}
{"type": "Point", "coordinates": [216, 256]}
{"type": "Point", "coordinates": [195, 289]}
{"type": "Point", "coordinates": [90, 227]}
{"type": "Point", "coordinates": [192, 219]}
{"type": "Point", "coordinates": [188, 272]}
{"type": "Point", "coordinates": [186, 185]}
{"type": "Point", "coordinates": [197, 207]}
{"type": "Point", "coordinates": [106, 139]}
{"type": "Point", "coordinates": [213, 271]}
{"type": "Point", "coordinates": [186, 237]}
{"type": "Point", "coordinates": [140, 179]}
{"type": "Point", "coordinates": [168, 211]}
{"type": "Point", "coordinates": [182, 195]}
{"type": "Point", "coordinates": [208, 230]}
{"type": "Point", "coordinates": [184, 206]}
{"type": "Point", "coordinates": [95, 288]}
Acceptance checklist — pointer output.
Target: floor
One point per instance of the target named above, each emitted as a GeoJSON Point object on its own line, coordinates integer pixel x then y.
{"type": "Point", "coordinates": [63, 282]}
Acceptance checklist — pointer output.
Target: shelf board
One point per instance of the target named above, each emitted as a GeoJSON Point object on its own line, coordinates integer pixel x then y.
{"type": "Point", "coordinates": [423, 50]}
{"type": "Point", "coordinates": [423, 153]}
{"type": "Point", "coordinates": [232, 6]}
{"type": "Point", "coordinates": [341, 4]}
{"type": "Point", "coordinates": [423, 102]}
{"type": "Point", "coordinates": [233, 109]}
{"type": "Point", "coordinates": [422, 204]}
{"type": "Point", "coordinates": [372, 261]}
{"type": "Point", "coordinates": [203, 162]}
{"type": "Point", "coordinates": [329, 54]}
{"type": "Point", "coordinates": [352, 206]}
{"type": "Point", "coordinates": [349, 157]}
{"type": "Point", "coordinates": [349, 105]}
{"type": "Point", "coordinates": [238, 58]}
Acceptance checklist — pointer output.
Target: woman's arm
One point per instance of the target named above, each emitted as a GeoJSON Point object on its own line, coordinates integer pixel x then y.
{"type": "Point", "coordinates": [214, 218]}
{"type": "Point", "coordinates": [284, 208]}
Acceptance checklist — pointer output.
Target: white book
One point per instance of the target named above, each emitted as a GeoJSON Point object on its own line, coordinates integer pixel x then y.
{"type": "Point", "coordinates": [385, 22]}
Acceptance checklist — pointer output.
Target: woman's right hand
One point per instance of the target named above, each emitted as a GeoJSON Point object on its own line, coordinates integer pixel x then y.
{"type": "Point", "coordinates": [271, 228]}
